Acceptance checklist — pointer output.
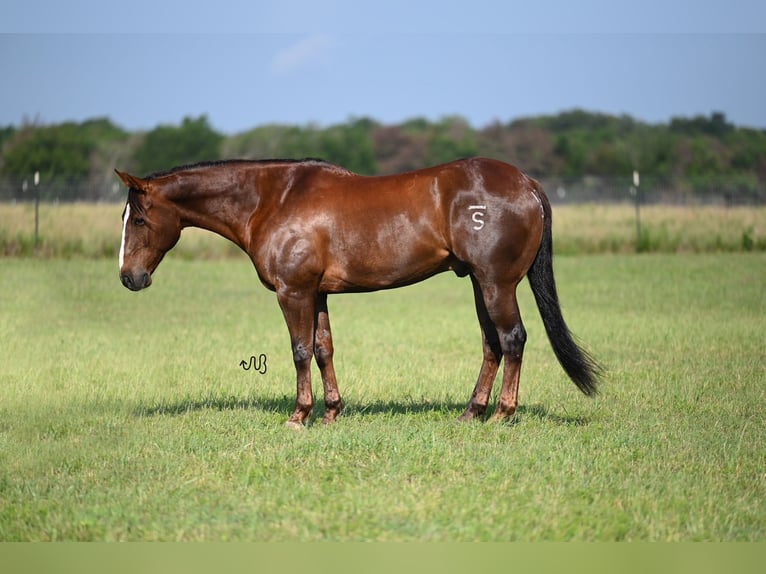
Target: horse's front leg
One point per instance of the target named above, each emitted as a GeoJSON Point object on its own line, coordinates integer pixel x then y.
{"type": "Point", "coordinates": [323, 352]}
{"type": "Point", "coordinates": [299, 312]}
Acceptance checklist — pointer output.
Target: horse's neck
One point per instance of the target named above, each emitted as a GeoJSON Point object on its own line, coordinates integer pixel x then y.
{"type": "Point", "coordinates": [224, 210]}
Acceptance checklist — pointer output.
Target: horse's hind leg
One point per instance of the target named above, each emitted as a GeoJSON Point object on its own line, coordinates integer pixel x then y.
{"type": "Point", "coordinates": [323, 352]}
{"type": "Point", "coordinates": [492, 353]}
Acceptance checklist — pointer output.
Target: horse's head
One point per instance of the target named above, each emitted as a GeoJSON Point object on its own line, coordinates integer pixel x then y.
{"type": "Point", "coordinates": [150, 228]}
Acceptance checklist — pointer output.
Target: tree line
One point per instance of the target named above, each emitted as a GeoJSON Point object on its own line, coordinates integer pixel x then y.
{"type": "Point", "coordinates": [707, 153]}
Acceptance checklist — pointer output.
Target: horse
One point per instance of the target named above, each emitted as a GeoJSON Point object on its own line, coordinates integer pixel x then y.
{"type": "Point", "coordinates": [312, 228]}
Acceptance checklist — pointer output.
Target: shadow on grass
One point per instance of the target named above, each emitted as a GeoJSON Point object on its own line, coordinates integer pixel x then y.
{"type": "Point", "coordinates": [408, 406]}
{"type": "Point", "coordinates": [541, 412]}
{"type": "Point", "coordinates": [218, 403]}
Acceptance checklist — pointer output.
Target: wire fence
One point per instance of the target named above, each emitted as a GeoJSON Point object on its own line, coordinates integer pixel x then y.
{"type": "Point", "coordinates": [586, 189]}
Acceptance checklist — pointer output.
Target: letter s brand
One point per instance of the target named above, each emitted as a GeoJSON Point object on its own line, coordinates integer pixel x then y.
{"type": "Point", "coordinates": [477, 216]}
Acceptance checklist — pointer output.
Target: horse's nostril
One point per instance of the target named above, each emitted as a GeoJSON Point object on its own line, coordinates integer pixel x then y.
{"type": "Point", "coordinates": [136, 282]}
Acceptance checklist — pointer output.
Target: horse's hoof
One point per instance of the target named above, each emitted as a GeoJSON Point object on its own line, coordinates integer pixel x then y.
{"type": "Point", "coordinates": [329, 420]}
{"type": "Point", "coordinates": [294, 425]}
{"type": "Point", "coordinates": [469, 416]}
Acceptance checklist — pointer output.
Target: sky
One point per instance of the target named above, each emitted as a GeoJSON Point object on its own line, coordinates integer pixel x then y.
{"type": "Point", "coordinates": [249, 63]}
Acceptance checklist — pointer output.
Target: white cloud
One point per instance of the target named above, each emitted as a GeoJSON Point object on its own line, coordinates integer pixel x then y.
{"type": "Point", "coordinates": [309, 51]}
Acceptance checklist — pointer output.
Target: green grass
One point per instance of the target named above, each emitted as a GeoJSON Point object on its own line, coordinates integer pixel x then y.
{"type": "Point", "coordinates": [126, 416]}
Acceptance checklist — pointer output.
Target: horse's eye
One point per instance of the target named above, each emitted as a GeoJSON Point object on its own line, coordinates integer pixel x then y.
{"type": "Point", "coordinates": [139, 221]}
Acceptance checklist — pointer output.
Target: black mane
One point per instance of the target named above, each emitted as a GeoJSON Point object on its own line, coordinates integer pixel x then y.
{"type": "Point", "coordinates": [136, 209]}
{"type": "Point", "coordinates": [206, 164]}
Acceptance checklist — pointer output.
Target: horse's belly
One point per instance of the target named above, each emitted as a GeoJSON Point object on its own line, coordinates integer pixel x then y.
{"type": "Point", "coordinates": [382, 269]}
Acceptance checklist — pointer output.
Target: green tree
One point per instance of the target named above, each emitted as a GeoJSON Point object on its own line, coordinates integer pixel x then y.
{"type": "Point", "coordinates": [716, 125]}
{"type": "Point", "coordinates": [296, 142]}
{"type": "Point", "coordinates": [573, 154]}
{"type": "Point", "coordinates": [609, 159]}
{"type": "Point", "coordinates": [6, 133]}
{"type": "Point", "coordinates": [168, 146]}
{"type": "Point", "coordinates": [450, 139]}
{"type": "Point", "coordinates": [64, 155]}
{"type": "Point", "coordinates": [59, 153]}
{"type": "Point", "coordinates": [748, 149]}
{"type": "Point", "coordinates": [417, 125]}
{"type": "Point", "coordinates": [350, 145]}
{"type": "Point", "coordinates": [263, 142]}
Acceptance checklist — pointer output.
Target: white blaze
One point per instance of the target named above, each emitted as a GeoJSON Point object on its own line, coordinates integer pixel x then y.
{"type": "Point", "coordinates": [124, 227]}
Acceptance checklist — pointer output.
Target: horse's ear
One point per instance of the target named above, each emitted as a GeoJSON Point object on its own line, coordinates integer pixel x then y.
{"type": "Point", "coordinates": [131, 181]}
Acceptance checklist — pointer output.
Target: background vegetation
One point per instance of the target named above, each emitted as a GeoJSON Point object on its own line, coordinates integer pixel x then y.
{"type": "Point", "coordinates": [705, 155]}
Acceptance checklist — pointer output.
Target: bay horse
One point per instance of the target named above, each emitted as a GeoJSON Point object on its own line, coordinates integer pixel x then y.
{"type": "Point", "coordinates": [312, 228]}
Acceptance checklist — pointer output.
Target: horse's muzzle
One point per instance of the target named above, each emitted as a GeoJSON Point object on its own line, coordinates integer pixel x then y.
{"type": "Point", "coordinates": [137, 281]}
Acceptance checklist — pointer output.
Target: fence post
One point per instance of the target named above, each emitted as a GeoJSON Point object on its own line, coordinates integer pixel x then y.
{"type": "Point", "coordinates": [634, 191]}
{"type": "Point", "coordinates": [37, 207]}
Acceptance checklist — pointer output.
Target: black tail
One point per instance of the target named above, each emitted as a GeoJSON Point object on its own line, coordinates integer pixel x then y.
{"type": "Point", "coordinates": [578, 364]}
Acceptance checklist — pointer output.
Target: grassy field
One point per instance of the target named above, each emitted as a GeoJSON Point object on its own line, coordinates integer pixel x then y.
{"type": "Point", "coordinates": [93, 230]}
{"type": "Point", "coordinates": [126, 416]}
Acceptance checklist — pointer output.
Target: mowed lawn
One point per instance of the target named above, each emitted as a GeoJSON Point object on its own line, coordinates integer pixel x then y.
{"type": "Point", "coordinates": [126, 416]}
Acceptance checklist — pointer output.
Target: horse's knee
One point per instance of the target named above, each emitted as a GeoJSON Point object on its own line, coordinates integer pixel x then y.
{"type": "Point", "coordinates": [323, 356]}
{"type": "Point", "coordinates": [513, 341]}
{"type": "Point", "coordinates": [301, 354]}
{"type": "Point", "coordinates": [323, 351]}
